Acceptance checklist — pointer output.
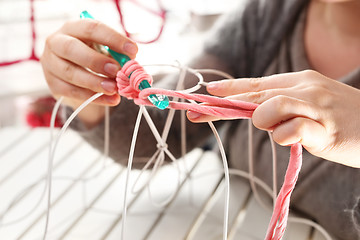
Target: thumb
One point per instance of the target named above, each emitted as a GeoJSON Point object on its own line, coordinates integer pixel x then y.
{"type": "Point", "coordinates": [311, 134]}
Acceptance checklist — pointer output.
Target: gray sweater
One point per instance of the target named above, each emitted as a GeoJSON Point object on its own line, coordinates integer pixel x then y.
{"type": "Point", "coordinates": [261, 37]}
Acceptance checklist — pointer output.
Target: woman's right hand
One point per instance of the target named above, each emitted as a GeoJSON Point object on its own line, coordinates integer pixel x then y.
{"type": "Point", "coordinates": [306, 107]}
{"type": "Point", "coordinates": [68, 57]}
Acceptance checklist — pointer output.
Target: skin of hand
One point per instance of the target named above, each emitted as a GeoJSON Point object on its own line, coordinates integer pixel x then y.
{"type": "Point", "coordinates": [75, 70]}
{"type": "Point", "coordinates": [307, 107]}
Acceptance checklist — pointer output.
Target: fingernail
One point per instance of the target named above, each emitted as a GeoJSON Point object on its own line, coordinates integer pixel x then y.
{"type": "Point", "coordinates": [193, 115]}
{"type": "Point", "coordinates": [111, 68]}
{"type": "Point", "coordinates": [130, 48]}
{"type": "Point", "coordinates": [109, 86]}
{"type": "Point", "coordinates": [212, 86]}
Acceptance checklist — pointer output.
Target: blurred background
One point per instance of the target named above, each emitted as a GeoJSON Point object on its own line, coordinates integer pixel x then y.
{"type": "Point", "coordinates": [167, 31]}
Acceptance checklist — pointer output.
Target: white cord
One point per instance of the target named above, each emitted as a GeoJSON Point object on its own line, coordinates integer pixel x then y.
{"type": "Point", "coordinates": [274, 163]}
{"type": "Point", "coordinates": [312, 224]}
{"type": "Point", "coordinates": [163, 149]}
{"type": "Point", "coordinates": [52, 154]}
{"type": "Point", "coordinates": [130, 161]}
{"type": "Point", "coordinates": [227, 180]}
{"type": "Point", "coordinates": [251, 166]}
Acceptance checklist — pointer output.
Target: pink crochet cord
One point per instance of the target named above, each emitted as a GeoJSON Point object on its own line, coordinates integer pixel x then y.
{"type": "Point", "coordinates": [282, 204]}
{"type": "Point", "coordinates": [220, 107]}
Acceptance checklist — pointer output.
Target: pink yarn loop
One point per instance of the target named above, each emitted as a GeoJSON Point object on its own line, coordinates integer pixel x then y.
{"type": "Point", "coordinates": [129, 79]}
{"type": "Point", "coordinates": [223, 108]}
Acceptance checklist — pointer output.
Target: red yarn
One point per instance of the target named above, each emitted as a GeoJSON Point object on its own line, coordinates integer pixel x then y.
{"type": "Point", "coordinates": [220, 107]}
{"type": "Point", "coordinates": [160, 13]}
{"type": "Point", "coordinates": [32, 56]}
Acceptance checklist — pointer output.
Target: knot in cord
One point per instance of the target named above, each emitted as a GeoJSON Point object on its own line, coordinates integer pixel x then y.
{"type": "Point", "coordinates": [129, 78]}
{"type": "Point", "coordinates": [162, 147]}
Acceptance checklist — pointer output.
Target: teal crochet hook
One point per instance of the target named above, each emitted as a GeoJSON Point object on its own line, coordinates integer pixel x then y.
{"type": "Point", "coordinates": [160, 101]}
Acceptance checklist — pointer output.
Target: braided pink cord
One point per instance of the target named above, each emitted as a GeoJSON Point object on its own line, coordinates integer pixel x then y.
{"type": "Point", "coordinates": [223, 108]}
{"type": "Point", "coordinates": [282, 204]}
{"type": "Point", "coordinates": [220, 107]}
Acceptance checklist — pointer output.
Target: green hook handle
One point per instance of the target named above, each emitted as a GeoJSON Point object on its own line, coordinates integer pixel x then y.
{"type": "Point", "coordinates": [160, 101]}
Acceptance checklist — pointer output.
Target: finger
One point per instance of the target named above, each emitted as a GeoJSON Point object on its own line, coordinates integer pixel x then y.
{"type": "Point", "coordinates": [282, 108]}
{"type": "Point", "coordinates": [74, 50]}
{"type": "Point", "coordinates": [237, 86]}
{"type": "Point", "coordinates": [60, 88]}
{"type": "Point", "coordinates": [95, 31]}
{"type": "Point", "coordinates": [80, 77]}
{"type": "Point", "coordinates": [265, 95]}
{"type": "Point", "coordinates": [196, 117]}
{"type": "Point", "coordinates": [311, 134]}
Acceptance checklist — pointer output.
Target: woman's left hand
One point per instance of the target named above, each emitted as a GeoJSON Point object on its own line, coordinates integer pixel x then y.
{"type": "Point", "coordinates": [307, 107]}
